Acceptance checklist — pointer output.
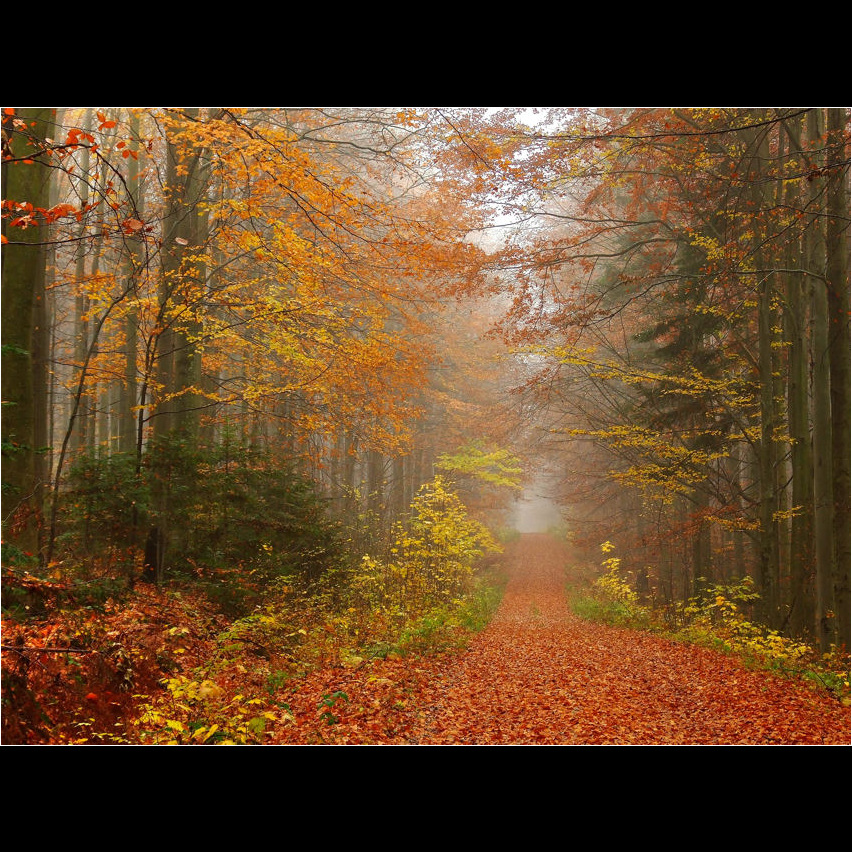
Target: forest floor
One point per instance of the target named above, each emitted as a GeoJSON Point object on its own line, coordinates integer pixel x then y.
{"type": "Point", "coordinates": [539, 675]}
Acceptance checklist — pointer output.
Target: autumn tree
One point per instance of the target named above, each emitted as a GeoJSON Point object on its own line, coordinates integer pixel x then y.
{"type": "Point", "coordinates": [272, 275]}
{"type": "Point", "coordinates": [719, 214]}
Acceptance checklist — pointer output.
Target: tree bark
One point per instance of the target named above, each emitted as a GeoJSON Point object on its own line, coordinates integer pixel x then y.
{"type": "Point", "coordinates": [133, 262]}
{"type": "Point", "coordinates": [820, 356]}
{"type": "Point", "coordinates": [838, 293]}
{"type": "Point", "coordinates": [176, 417]}
{"type": "Point", "coordinates": [26, 180]}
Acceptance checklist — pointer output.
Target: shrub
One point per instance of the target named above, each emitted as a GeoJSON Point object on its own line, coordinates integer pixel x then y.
{"type": "Point", "coordinates": [102, 504]}
{"type": "Point", "coordinates": [615, 600]}
{"type": "Point", "coordinates": [716, 617]}
{"type": "Point", "coordinates": [717, 613]}
{"type": "Point", "coordinates": [231, 518]}
{"type": "Point", "coordinates": [431, 558]}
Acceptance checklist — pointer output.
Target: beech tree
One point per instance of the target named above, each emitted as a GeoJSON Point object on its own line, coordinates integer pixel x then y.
{"type": "Point", "coordinates": [272, 271]}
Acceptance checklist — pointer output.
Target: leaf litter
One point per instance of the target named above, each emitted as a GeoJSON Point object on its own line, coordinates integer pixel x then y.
{"type": "Point", "coordinates": [538, 675]}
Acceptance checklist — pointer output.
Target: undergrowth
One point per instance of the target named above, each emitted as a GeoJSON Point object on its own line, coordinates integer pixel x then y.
{"type": "Point", "coordinates": [445, 627]}
{"type": "Point", "coordinates": [716, 618]}
{"type": "Point", "coordinates": [232, 697]}
{"type": "Point", "coordinates": [167, 665]}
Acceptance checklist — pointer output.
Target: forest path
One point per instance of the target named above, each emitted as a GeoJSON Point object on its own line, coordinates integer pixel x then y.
{"type": "Point", "coordinates": [539, 675]}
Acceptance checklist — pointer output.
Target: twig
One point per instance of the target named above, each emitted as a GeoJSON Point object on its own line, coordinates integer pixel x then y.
{"type": "Point", "coordinates": [48, 650]}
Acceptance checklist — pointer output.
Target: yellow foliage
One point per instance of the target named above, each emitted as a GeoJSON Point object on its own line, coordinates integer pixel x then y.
{"type": "Point", "coordinates": [434, 554]}
{"type": "Point", "coordinates": [184, 714]}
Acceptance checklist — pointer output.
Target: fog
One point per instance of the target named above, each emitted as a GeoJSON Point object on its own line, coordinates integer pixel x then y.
{"type": "Point", "coordinates": [535, 511]}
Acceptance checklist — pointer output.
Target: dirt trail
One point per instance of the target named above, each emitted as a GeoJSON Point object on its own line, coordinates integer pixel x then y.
{"type": "Point", "coordinates": [538, 674]}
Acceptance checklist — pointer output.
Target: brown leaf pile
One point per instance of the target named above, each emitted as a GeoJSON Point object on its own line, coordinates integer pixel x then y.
{"type": "Point", "coordinates": [538, 675]}
{"type": "Point", "coordinates": [115, 654]}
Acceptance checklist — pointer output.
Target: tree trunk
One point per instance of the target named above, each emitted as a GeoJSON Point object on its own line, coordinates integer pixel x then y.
{"type": "Point", "coordinates": [837, 283]}
{"type": "Point", "coordinates": [133, 263]}
{"type": "Point", "coordinates": [178, 366]}
{"type": "Point", "coordinates": [823, 475]}
{"type": "Point", "coordinates": [801, 611]}
{"type": "Point", "coordinates": [26, 179]}
{"type": "Point", "coordinates": [767, 321]}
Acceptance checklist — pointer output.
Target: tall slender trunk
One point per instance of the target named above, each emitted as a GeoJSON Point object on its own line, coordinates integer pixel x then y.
{"type": "Point", "coordinates": [133, 265]}
{"type": "Point", "coordinates": [26, 179]}
{"type": "Point", "coordinates": [767, 320]}
{"type": "Point", "coordinates": [838, 293]}
{"type": "Point", "coordinates": [176, 418]}
{"type": "Point", "coordinates": [802, 596]}
{"type": "Point", "coordinates": [80, 439]}
{"type": "Point", "coordinates": [821, 380]}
